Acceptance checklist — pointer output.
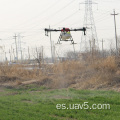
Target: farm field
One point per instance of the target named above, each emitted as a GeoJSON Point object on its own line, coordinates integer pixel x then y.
{"type": "Point", "coordinates": [33, 102]}
{"type": "Point", "coordinates": [59, 60]}
{"type": "Point", "coordinates": [69, 90]}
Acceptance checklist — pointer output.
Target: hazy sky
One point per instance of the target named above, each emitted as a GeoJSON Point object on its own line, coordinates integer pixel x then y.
{"type": "Point", "coordinates": [29, 18]}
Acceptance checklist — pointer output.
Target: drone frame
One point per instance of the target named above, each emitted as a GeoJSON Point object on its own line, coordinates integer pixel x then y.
{"type": "Point", "coordinates": [60, 37]}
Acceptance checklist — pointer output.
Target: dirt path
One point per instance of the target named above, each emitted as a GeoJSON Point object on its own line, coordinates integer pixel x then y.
{"type": "Point", "coordinates": [29, 82]}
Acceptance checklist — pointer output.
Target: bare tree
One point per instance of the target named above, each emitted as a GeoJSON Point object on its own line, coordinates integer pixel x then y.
{"type": "Point", "coordinates": [38, 56]}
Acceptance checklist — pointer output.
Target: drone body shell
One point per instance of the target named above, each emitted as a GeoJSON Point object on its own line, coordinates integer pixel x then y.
{"type": "Point", "coordinates": [65, 35]}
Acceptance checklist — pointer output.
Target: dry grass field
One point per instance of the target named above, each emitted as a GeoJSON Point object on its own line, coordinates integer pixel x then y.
{"type": "Point", "coordinates": [97, 73]}
{"type": "Point", "coordinates": [33, 94]}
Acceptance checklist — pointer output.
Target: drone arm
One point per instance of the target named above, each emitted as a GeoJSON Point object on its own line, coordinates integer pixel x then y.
{"type": "Point", "coordinates": [82, 29]}
{"type": "Point", "coordinates": [50, 30]}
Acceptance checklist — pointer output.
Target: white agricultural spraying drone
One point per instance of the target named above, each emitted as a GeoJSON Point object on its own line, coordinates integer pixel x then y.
{"type": "Point", "coordinates": [65, 34]}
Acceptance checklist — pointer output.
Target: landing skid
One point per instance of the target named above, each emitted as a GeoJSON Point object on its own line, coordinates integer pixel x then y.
{"type": "Point", "coordinates": [60, 39]}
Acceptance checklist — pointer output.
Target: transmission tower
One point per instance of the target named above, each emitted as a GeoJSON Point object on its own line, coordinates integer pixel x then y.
{"type": "Point", "coordinates": [90, 41]}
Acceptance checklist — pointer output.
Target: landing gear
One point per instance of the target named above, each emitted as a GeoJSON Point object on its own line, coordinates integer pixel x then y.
{"type": "Point", "coordinates": [70, 39]}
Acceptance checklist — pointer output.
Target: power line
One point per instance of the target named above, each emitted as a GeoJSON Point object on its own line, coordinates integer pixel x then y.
{"type": "Point", "coordinates": [49, 17]}
{"type": "Point", "coordinates": [39, 14]}
{"type": "Point", "coordinates": [66, 18]}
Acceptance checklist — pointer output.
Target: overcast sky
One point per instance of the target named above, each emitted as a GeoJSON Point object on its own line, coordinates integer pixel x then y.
{"type": "Point", "coordinates": [29, 18]}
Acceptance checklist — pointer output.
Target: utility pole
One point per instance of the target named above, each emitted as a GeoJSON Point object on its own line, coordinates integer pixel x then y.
{"type": "Point", "coordinates": [74, 51]}
{"type": "Point", "coordinates": [102, 44]}
{"type": "Point", "coordinates": [102, 47]}
{"type": "Point", "coordinates": [10, 54]}
{"type": "Point", "coordinates": [13, 55]}
{"type": "Point", "coordinates": [115, 31]}
{"type": "Point", "coordinates": [5, 56]}
{"type": "Point", "coordinates": [54, 52]}
{"type": "Point", "coordinates": [28, 52]}
{"type": "Point", "coordinates": [42, 54]}
{"type": "Point", "coordinates": [16, 46]}
{"type": "Point", "coordinates": [90, 46]}
{"type": "Point", "coordinates": [21, 56]}
{"type": "Point", "coordinates": [37, 52]}
{"type": "Point", "coordinates": [51, 46]}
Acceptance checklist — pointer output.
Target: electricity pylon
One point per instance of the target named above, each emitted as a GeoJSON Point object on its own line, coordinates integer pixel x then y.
{"type": "Point", "coordinates": [90, 41]}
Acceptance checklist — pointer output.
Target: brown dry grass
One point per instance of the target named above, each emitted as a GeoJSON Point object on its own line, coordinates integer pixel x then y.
{"type": "Point", "coordinates": [95, 74]}
{"type": "Point", "coordinates": [92, 74]}
{"type": "Point", "coordinates": [107, 64]}
{"type": "Point", "coordinates": [19, 71]}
